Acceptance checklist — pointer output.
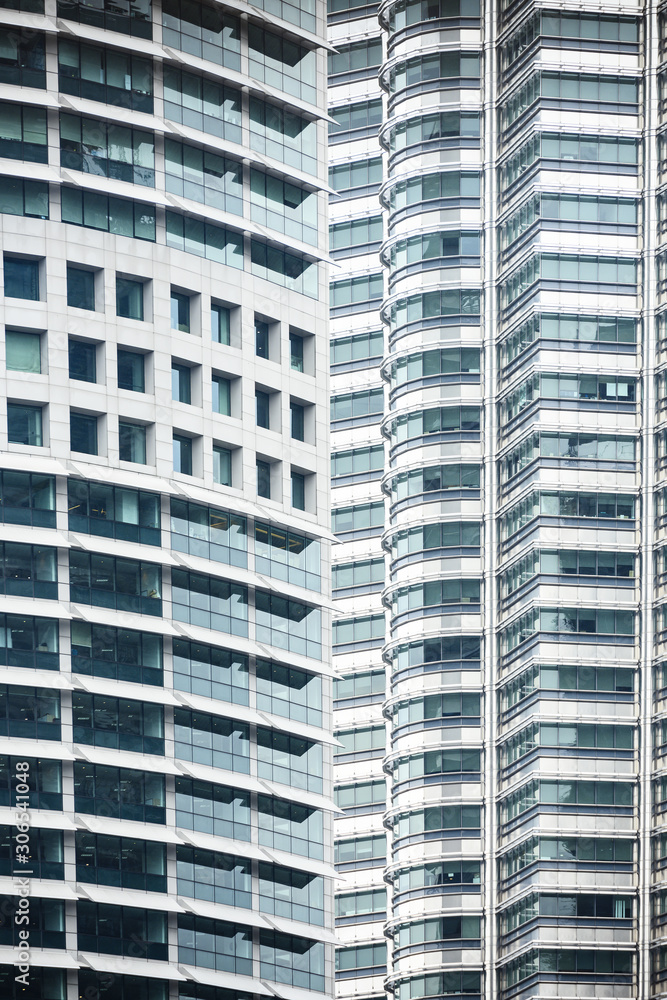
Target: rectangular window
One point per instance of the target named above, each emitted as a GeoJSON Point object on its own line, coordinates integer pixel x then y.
{"type": "Point", "coordinates": [204, 176]}
{"type": "Point", "coordinates": [83, 433]}
{"type": "Point", "coordinates": [21, 278]}
{"type": "Point", "coordinates": [283, 135]}
{"type": "Point", "coordinates": [120, 216]}
{"type": "Point", "coordinates": [263, 479]}
{"type": "Point", "coordinates": [261, 339]}
{"type": "Point", "coordinates": [131, 442]}
{"type": "Point", "coordinates": [222, 395]}
{"type": "Point", "coordinates": [23, 351]}
{"type": "Point", "coordinates": [220, 324]}
{"type": "Point", "coordinates": [119, 792]}
{"type": "Point", "coordinates": [296, 352]}
{"type": "Point", "coordinates": [22, 197]}
{"type": "Point", "coordinates": [24, 424]}
{"type": "Point", "coordinates": [120, 584]}
{"type": "Point", "coordinates": [27, 499]}
{"type": "Point", "coordinates": [297, 412]}
{"type": "Point", "coordinates": [82, 361]}
{"type": "Point", "coordinates": [113, 512]}
{"type": "Point", "coordinates": [23, 132]}
{"type": "Point", "coordinates": [262, 408]}
{"type": "Point", "coordinates": [183, 454]}
{"type": "Point", "coordinates": [209, 602]}
{"type": "Point", "coordinates": [121, 654]}
{"type": "Point", "coordinates": [203, 31]}
{"type": "Point", "coordinates": [180, 383]}
{"type": "Point", "coordinates": [202, 103]}
{"type": "Point", "coordinates": [22, 58]}
{"type": "Point", "coordinates": [114, 151]}
{"type": "Point", "coordinates": [288, 624]}
{"type": "Point", "coordinates": [130, 19]}
{"type": "Point", "coordinates": [211, 672]}
{"type": "Point", "coordinates": [131, 371]}
{"type": "Point", "coordinates": [80, 288]}
{"type": "Point", "coordinates": [110, 75]}
{"type": "Point", "coordinates": [298, 491]}
{"type": "Point", "coordinates": [222, 465]}
{"type": "Point", "coordinates": [122, 862]}
{"type": "Point", "coordinates": [209, 532]}
{"type": "Point", "coordinates": [180, 311]}
{"type": "Point", "coordinates": [129, 298]}
{"type": "Point", "coordinates": [287, 556]}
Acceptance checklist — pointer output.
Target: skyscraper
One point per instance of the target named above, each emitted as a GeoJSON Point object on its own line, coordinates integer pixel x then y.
{"type": "Point", "coordinates": [165, 693]}
{"type": "Point", "coordinates": [524, 467]}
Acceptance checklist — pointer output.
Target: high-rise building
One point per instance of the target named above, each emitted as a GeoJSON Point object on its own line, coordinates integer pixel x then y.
{"type": "Point", "coordinates": [525, 257]}
{"type": "Point", "coordinates": [165, 689]}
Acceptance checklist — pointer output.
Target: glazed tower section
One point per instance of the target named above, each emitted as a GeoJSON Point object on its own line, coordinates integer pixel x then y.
{"type": "Point", "coordinates": [164, 630]}
{"type": "Point", "coordinates": [433, 480]}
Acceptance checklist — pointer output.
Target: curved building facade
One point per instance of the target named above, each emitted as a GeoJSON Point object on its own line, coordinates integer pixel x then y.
{"type": "Point", "coordinates": [165, 638]}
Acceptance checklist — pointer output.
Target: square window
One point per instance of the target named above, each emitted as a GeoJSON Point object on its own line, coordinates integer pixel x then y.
{"type": "Point", "coordinates": [23, 352]}
{"type": "Point", "coordinates": [24, 424]}
{"type": "Point", "coordinates": [297, 420]}
{"type": "Point", "coordinates": [132, 442]}
{"type": "Point", "coordinates": [129, 298]}
{"type": "Point", "coordinates": [261, 339]}
{"type": "Point", "coordinates": [222, 395]}
{"type": "Point", "coordinates": [180, 312]}
{"type": "Point", "coordinates": [180, 383]}
{"type": "Point", "coordinates": [183, 454]}
{"type": "Point", "coordinates": [263, 479]}
{"type": "Point", "coordinates": [298, 491]}
{"type": "Point", "coordinates": [262, 408]}
{"type": "Point", "coordinates": [222, 465]}
{"type": "Point", "coordinates": [21, 278]}
{"type": "Point", "coordinates": [296, 352]}
{"type": "Point", "coordinates": [83, 433]}
{"type": "Point", "coordinates": [220, 324]}
{"type": "Point", "coordinates": [131, 371]}
{"type": "Point", "coordinates": [80, 288]}
{"type": "Point", "coordinates": [82, 361]}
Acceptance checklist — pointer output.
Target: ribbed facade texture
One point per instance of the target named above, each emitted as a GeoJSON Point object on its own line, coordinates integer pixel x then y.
{"type": "Point", "coordinates": [165, 679]}
{"type": "Point", "coordinates": [521, 451]}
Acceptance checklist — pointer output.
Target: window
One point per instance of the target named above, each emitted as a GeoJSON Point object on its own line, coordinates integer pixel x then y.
{"type": "Point", "coordinates": [183, 454]}
{"type": "Point", "coordinates": [286, 207]}
{"type": "Point", "coordinates": [119, 793]}
{"type": "Point", "coordinates": [23, 133]}
{"type": "Point", "coordinates": [362, 175]}
{"type": "Point", "coordinates": [283, 135]}
{"type": "Point", "coordinates": [262, 408]}
{"type": "Point", "coordinates": [131, 371]}
{"type": "Point", "coordinates": [22, 60]}
{"type": "Point", "coordinates": [113, 512]}
{"type": "Point", "coordinates": [23, 351]}
{"type": "Point", "coordinates": [367, 462]}
{"type": "Point", "coordinates": [121, 584]}
{"type": "Point", "coordinates": [205, 240]}
{"type": "Point", "coordinates": [364, 960]}
{"type": "Point", "coordinates": [284, 555]}
{"type": "Point", "coordinates": [295, 895]}
{"type": "Point", "coordinates": [291, 827]}
{"type": "Point", "coordinates": [203, 31]}
{"type": "Point", "coordinates": [131, 19]}
{"type": "Point", "coordinates": [261, 338]}
{"type": "Point", "coordinates": [215, 944]}
{"type": "Point", "coordinates": [121, 654]}
{"type": "Point", "coordinates": [82, 361]}
{"type": "Point", "coordinates": [222, 395]}
{"type": "Point", "coordinates": [222, 465]}
{"type": "Point", "coordinates": [204, 176]}
{"type": "Point", "coordinates": [118, 723]}
{"type": "Point", "coordinates": [24, 424]}
{"type": "Point", "coordinates": [296, 352]}
{"type": "Point", "coordinates": [112, 215]}
{"type": "Point", "coordinates": [45, 788]}
{"type": "Point", "coordinates": [129, 298]}
{"type": "Point", "coordinates": [114, 930]}
{"type": "Point", "coordinates": [291, 270]}
{"type": "Point", "coordinates": [263, 479]}
{"type": "Point", "coordinates": [180, 383]}
{"type": "Point", "coordinates": [21, 278]}
{"type": "Point", "coordinates": [292, 693]}
{"type": "Point", "coordinates": [27, 499]}
{"type": "Point", "coordinates": [215, 809]}
{"type": "Point", "coordinates": [218, 878]}
{"type": "Point", "coordinates": [114, 151]}
{"type": "Point", "coordinates": [361, 852]}
{"type": "Point", "coordinates": [282, 63]}
{"type": "Point", "coordinates": [211, 740]}
{"type": "Point", "coordinates": [220, 324]}
{"type": "Point", "coordinates": [131, 442]}
{"type": "Point", "coordinates": [202, 103]}
{"type": "Point", "coordinates": [180, 312]}
{"type": "Point", "coordinates": [296, 961]}
{"type": "Point", "coordinates": [288, 624]}
{"type": "Point", "coordinates": [367, 518]}
{"type": "Point", "coordinates": [83, 433]}
{"type": "Point", "coordinates": [211, 671]}
{"type": "Point", "coordinates": [357, 294]}
{"type": "Point", "coordinates": [297, 411]}
{"type": "Point", "coordinates": [110, 75]}
{"type": "Point", "coordinates": [121, 861]}
{"type": "Point", "coordinates": [365, 407]}
{"type": "Point", "coordinates": [45, 859]}
{"type": "Point", "coordinates": [366, 115]}
{"type": "Point", "coordinates": [209, 602]}
{"type": "Point", "coordinates": [298, 490]}
{"type": "Point", "coordinates": [23, 197]}
{"type": "Point", "coordinates": [28, 571]}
